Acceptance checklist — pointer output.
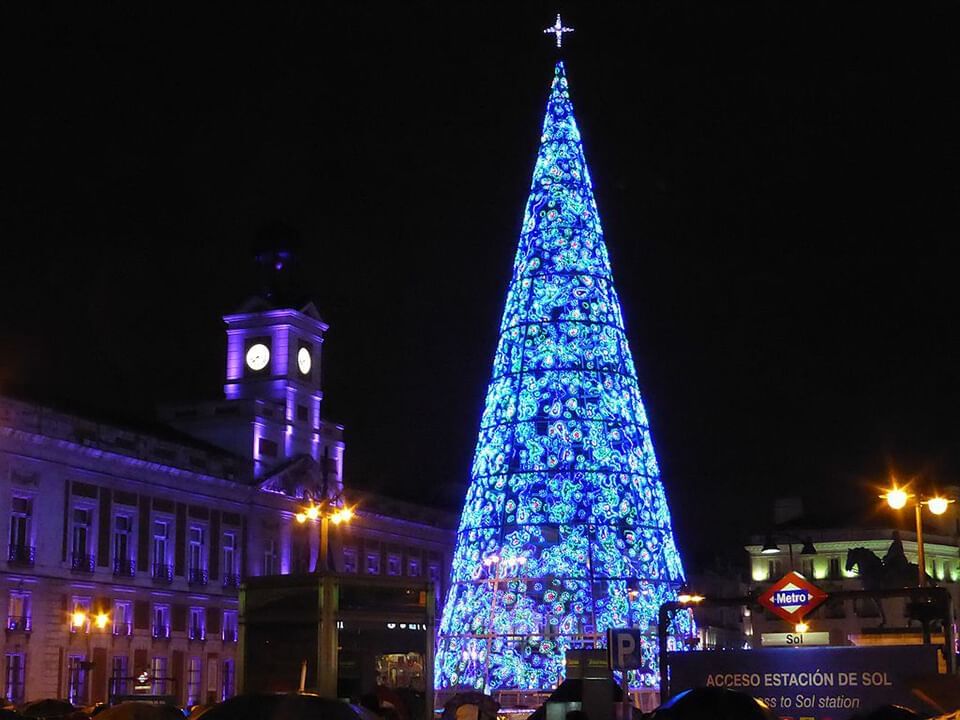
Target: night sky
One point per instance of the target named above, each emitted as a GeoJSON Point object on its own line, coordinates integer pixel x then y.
{"type": "Point", "coordinates": [778, 183]}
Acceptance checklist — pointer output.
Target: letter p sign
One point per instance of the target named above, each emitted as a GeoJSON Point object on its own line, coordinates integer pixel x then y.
{"type": "Point", "coordinates": [623, 648]}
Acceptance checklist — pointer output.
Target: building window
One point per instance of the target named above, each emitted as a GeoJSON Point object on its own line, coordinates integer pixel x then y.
{"type": "Point", "coordinates": [774, 569]}
{"type": "Point", "coordinates": [81, 559]}
{"type": "Point", "coordinates": [302, 413]}
{"type": "Point", "coordinates": [373, 563]}
{"type": "Point", "coordinates": [413, 567]}
{"type": "Point", "coordinates": [230, 553]}
{"type": "Point", "coordinates": [834, 568]}
{"type": "Point", "coordinates": [229, 626]}
{"type": "Point", "coordinates": [122, 564]}
{"type": "Point", "coordinates": [161, 621]}
{"type": "Point", "coordinates": [123, 618]}
{"type": "Point", "coordinates": [118, 675]}
{"type": "Point", "coordinates": [158, 671]}
{"type": "Point", "coordinates": [77, 679]}
{"type": "Point", "coordinates": [300, 550]}
{"type": "Point", "coordinates": [18, 611]}
{"type": "Point", "coordinates": [226, 690]}
{"type": "Point", "coordinates": [161, 546]}
{"type": "Point", "coordinates": [393, 564]}
{"type": "Point", "coordinates": [193, 681]}
{"type": "Point", "coordinates": [21, 517]}
{"type": "Point", "coordinates": [197, 556]}
{"type": "Point", "coordinates": [349, 560]}
{"type": "Point", "coordinates": [270, 557]}
{"type": "Point", "coordinates": [268, 448]}
{"type": "Point", "coordinates": [80, 610]}
{"type": "Point", "coordinates": [13, 685]}
{"type": "Point", "coordinates": [198, 624]}
{"type": "Point", "coordinates": [433, 572]}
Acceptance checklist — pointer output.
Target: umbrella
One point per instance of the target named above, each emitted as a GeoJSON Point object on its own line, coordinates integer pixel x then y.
{"type": "Point", "coordinates": [571, 690]}
{"type": "Point", "coordinates": [140, 711]}
{"type": "Point", "coordinates": [711, 703]}
{"type": "Point", "coordinates": [48, 708]}
{"type": "Point", "coordinates": [486, 706]}
{"type": "Point", "coordinates": [261, 706]}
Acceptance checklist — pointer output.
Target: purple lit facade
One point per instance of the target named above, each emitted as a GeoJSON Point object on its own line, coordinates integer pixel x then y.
{"type": "Point", "coordinates": [157, 529]}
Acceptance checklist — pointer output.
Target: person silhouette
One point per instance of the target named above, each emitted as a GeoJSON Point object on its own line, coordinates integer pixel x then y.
{"type": "Point", "coordinates": [895, 561]}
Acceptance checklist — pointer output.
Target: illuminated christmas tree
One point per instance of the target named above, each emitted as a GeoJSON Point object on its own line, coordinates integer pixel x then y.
{"type": "Point", "coordinates": [565, 529]}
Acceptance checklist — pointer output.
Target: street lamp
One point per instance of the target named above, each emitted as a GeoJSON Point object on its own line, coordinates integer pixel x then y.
{"type": "Point", "coordinates": [326, 511]}
{"type": "Point", "coordinates": [770, 546]}
{"type": "Point", "coordinates": [79, 621]}
{"type": "Point", "coordinates": [897, 498]}
{"type": "Point", "coordinates": [688, 596]}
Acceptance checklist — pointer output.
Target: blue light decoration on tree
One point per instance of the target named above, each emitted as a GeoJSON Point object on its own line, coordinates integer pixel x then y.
{"type": "Point", "coordinates": [565, 529]}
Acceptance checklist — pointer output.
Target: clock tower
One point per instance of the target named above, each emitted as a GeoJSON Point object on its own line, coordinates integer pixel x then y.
{"type": "Point", "coordinates": [271, 413]}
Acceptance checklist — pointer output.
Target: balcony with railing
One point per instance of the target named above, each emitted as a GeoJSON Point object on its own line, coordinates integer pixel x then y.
{"type": "Point", "coordinates": [162, 574]}
{"type": "Point", "coordinates": [122, 629]}
{"type": "Point", "coordinates": [22, 555]}
{"type": "Point", "coordinates": [161, 632]}
{"type": "Point", "coordinates": [231, 583]}
{"type": "Point", "coordinates": [196, 632]}
{"type": "Point", "coordinates": [197, 576]}
{"type": "Point", "coordinates": [229, 635]}
{"type": "Point", "coordinates": [124, 568]}
{"type": "Point", "coordinates": [19, 623]}
{"type": "Point", "coordinates": [82, 563]}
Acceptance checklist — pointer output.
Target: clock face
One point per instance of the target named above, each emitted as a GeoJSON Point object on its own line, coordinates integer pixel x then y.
{"type": "Point", "coordinates": [304, 361]}
{"type": "Point", "coordinates": [258, 356]}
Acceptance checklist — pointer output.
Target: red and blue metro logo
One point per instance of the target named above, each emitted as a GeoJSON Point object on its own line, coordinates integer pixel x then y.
{"type": "Point", "coordinates": [791, 597]}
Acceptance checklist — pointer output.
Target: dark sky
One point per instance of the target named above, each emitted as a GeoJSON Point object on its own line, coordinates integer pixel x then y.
{"type": "Point", "coordinates": [778, 182]}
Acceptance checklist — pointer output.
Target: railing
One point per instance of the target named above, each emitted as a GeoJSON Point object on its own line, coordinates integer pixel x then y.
{"type": "Point", "coordinates": [162, 573]}
{"type": "Point", "coordinates": [19, 623]}
{"type": "Point", "coordinates": [161, 632]}
{"type": "Point", "coordinates": [197, 633]}
{"type": "Point", "coordinates": [231, 582]}
{"type": "Point", "coordinates": [80, 562]}
{"type": "Point", "coordinates": [25, 555]}
{"type": "Point", "coordinates": [197, 576]}
{"type": "Point", "coordinates": [229, 635]}
{"type": "Point", "coordinates": [122, 629]}
{"type": "Point", "coordinates": [124, 568]}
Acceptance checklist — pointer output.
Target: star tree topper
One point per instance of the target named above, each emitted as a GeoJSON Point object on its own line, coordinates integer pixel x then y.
{"type": "Point", "coordinates": [558, 29]}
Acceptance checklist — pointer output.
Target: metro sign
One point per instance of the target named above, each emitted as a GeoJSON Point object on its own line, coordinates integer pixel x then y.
{"type": "Point", "coordinates": [791, 597]}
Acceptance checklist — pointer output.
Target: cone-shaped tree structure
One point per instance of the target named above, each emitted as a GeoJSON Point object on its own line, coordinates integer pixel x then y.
{"type": "Point", "coordinates": [565, 529]}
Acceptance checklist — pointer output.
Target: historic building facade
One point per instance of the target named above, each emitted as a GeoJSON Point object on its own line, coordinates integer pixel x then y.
{"type": "Point", "coordinates": [833, 559]}
{"type": "Point", "coordinates": [126, 549]}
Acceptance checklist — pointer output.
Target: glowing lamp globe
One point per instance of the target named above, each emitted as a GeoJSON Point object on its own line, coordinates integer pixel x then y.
{"type": "Point", "coordinates": [938, 505]}
{"type": "Point", "coordinates": [896, 498]}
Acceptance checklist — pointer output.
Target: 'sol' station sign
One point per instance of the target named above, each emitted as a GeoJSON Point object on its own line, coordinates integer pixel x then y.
{"type": "Point", "coordinates": [791, 597]}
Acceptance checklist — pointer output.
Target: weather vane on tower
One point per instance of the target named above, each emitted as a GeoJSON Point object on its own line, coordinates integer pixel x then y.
{"type": "Point", "coordinates": [558, 29]}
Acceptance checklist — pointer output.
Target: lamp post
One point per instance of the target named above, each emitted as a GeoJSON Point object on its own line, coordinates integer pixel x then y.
{"type": "Point", "coordinates": [325, 512]}
{"type": "Point", "coordinates": [770, 546]}
{"type": "Point", "coordinates": [897, 498]}
{"type": "Point", "coordinates": [79, 621]}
